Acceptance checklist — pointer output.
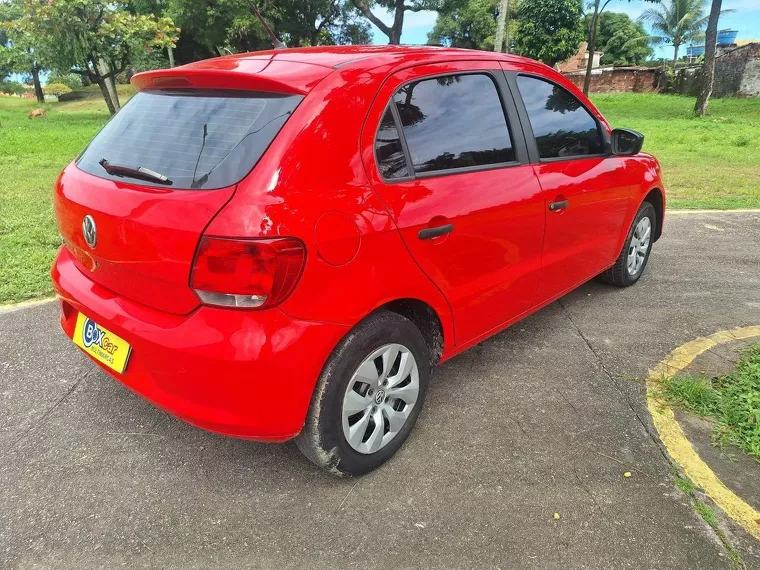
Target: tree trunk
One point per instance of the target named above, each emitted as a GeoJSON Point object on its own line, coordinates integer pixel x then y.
{"type": "Point", "coordinates": [708, 69]}
{"type": "Point", "coordinates": [675, 57]}
{"type": "Point", "coordinates": [37, 86]}
{"type": "Point", "coordinates": [398, 23]}
{"type": "Point", "coordinates": [591, 47]}
{"type": "Point", "coordinates": [170, 52]}
{"type": "Point", "coordinates": [102, 83]}
{"type": "Point", "coordinates": [110, 85]}
{"type": "Point", "coordinates": [503, 11]}
{"type": "Point", "coordinates": [114, 92]}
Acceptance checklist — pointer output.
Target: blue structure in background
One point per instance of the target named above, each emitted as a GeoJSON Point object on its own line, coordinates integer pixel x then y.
{"type": "Point", "coordinates": [727, 37]}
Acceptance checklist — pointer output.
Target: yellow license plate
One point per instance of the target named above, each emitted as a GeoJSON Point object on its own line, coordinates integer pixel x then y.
{"type": "Point", "coordinates": [103, 345]}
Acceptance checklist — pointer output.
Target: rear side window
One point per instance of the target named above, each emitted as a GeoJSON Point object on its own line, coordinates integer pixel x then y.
{"type": "Point", "coordinates": [388, 149]}
{"type": "Point", "coordinates": [455, 121]}
{"type": "Point", "coordinates": [196, 139]}
{"type": "Point", "coordinates": [562, 126]}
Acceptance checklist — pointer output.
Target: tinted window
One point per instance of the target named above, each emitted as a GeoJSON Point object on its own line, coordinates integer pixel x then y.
{"type": "Point", "coordinates": [388, 149]}
{"type": "Point", "coordinates": [561, 124]}
{"type": "Point", "coordinates": [197, 139]}
{"type": "Point", "coordinates": [454, 122]}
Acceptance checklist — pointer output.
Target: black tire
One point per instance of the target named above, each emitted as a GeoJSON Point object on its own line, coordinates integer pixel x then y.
{"type": "Point", "coordinates": [322, 439]}
{"type": "Point", "coordinates": [618, 274]}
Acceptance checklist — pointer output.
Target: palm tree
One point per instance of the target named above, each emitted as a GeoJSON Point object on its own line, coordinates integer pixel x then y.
{"type": "Point", "coordinates": [676, 22]}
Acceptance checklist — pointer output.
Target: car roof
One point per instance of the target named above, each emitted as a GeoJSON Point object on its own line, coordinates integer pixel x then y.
{"type": "Point", "coordinates": [367, 56]}
{"type": "Point", "coordinates": [298, 70]}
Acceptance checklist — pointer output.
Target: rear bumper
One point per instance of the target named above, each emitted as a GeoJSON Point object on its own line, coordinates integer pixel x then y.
{"type": "Point", "coordinates": [247, 374]}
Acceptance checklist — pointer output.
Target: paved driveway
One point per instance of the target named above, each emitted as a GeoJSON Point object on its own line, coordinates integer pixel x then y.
{"type": "Point", "coordinates": [545, 417]}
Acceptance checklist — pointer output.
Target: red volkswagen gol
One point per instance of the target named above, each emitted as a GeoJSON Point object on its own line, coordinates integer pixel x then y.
{"type": "Point", "coordinates": [281, 244]}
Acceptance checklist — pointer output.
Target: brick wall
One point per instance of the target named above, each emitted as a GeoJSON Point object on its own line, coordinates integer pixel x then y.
{"type": "Point", "coordinates": [620, 80]}
{"type": "Point", "coordinates": [736, 72]}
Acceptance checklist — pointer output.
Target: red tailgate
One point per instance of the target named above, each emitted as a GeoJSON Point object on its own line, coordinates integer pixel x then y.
{"type": "Point", "coordinates": [146, 237]}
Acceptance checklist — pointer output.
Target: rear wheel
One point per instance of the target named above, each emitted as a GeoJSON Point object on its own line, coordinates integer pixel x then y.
{"type": "Point", "coordinates": [368, 396]}
{"type": "Point", "coordinates": [633, 258]}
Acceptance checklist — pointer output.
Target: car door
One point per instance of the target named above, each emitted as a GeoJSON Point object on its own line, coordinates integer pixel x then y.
{"type": "Point", "coordinates": [585, 189]}
{"type": "Point", "coordinates": [445, 154]}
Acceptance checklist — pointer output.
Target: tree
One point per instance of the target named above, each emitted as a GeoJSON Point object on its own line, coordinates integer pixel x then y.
{"type": "Point", "coordinates": [549, 30]}
{"type": "Point", "coordinates": [592, 31]}
{"type": "Point", "coordinates": [676, 22]}
{"type": "Point", "coordinates": [17, 54]}
{"type": "Point", "coordinates": [708, 69]}
{"type": "Point", "coordinates": [502, 26]}
{"type": "Point", "coordinates": [94, 38]}
{"type": "Point", "coordinates": [615, 32]}
{"type": "Point", "coordinates": [399, 8]}
{"type": "Point", "coordinates": [214, 27]}
{"type": "Point", "coordinates": [471, 24]}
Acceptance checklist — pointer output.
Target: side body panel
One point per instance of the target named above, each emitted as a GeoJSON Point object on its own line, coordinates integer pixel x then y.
{"type": "Point", "coordinates": [488, 266]}
{"type": "Point", "coordinates": [581, 239]}
{"type": "Point", "coordinates": [311, 184]}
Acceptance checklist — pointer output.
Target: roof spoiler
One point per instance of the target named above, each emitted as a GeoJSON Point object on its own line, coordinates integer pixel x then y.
{"type": "Point", "coordinates": [231, 73]}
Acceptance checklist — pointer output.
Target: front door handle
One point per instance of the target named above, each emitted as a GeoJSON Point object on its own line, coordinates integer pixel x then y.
{"type": "Point", "coordinates": [430, 233]}
{"type": "Point", "coordinates": [554, 206]}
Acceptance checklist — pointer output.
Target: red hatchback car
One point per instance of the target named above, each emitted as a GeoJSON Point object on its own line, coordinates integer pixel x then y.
{"type": "Point", "coordinates": [281, 244]}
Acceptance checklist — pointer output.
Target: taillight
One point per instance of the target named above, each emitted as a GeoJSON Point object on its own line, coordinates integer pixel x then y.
{"type": "Point", "coordinates": [246, 273]}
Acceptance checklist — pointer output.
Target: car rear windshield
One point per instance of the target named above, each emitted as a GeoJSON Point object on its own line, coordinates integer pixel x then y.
{"type": "Point", "coordinates": [188, 139]}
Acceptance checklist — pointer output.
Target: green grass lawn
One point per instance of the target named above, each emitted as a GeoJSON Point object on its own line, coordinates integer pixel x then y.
{"type": "Point", "coordinates": [32, 154]}
{"type": "Point", "coordinates": [731, 401]}
{"type": "Point", "coordinates": [707, 162]}
{"type": "Point", "coordinates": [712, 162]}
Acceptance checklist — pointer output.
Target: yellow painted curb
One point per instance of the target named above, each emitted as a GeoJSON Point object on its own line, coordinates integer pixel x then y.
{"type": "Point", "coordinates": [24, 304]}
{"type": "Point", "coordinates": [674, 439]}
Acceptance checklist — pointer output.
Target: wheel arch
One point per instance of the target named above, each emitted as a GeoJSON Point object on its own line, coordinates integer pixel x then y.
{"type": "Point", "coordinates": [656, 198]}
{"type": "Point", "coordinates": [426, 319]}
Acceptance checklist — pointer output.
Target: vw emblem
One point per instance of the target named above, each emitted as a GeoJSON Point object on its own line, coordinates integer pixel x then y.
{"type": "Point", "coordinates": [89, 231]}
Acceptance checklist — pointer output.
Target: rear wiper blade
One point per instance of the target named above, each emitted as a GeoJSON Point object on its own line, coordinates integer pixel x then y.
{"type": "Point", "coordinates": [141, 173]}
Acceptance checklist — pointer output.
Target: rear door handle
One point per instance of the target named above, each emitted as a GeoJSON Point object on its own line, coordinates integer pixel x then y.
{"type": "Point", "coordinates": [430, 233]}
{"type": "Point", "coordinates": [554, 206]}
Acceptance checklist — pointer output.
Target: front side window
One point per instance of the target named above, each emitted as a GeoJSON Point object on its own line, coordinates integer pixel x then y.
{"type": "Point", "coordinates": [562, 126]}
{"type": "Point", "coordinates": [455, 121]}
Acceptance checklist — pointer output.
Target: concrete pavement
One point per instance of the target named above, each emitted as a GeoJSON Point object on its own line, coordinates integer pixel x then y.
{"type": "Point", "coordinates": [543, 418]}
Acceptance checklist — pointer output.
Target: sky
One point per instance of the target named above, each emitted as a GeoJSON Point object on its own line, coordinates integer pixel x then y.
{"type": "Point", "coordinates": [745, 19]}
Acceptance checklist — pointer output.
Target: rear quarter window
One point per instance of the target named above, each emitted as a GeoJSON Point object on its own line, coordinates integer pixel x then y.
{"type": "Point", "coordinates": [197, 139]}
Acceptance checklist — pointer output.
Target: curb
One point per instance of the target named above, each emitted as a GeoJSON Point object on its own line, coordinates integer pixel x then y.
{"type": "Point", "coordinates": [24, 304]}
{"type": "Point", "coordinates": [676, 442]}
{"type": "Point", "coordinates": [679, 212]}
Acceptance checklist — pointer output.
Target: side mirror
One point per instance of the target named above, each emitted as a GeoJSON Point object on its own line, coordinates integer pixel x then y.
{"type": "Point", "coordinates": [626, 142]}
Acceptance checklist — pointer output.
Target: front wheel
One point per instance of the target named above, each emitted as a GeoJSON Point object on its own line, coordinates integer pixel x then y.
{"type": "Point", "coordinates": [633, 258]}
{"type": "Point", "coordinates": [368, 396]}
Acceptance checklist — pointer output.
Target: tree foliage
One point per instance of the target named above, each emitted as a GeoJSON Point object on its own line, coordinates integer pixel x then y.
{"type": "Point", "coordinates": [676, 22]}
{"type": "Point", "coordinates": [616, 35]}
{"type": "Point", "coordinates": [78, 34]}
{"type": "Point", "coordinates": [469, 24]}
{"type": "Point", "coordinates": [94, 38]}
{"type": "Point", "coordinates": [56, 89]}
{"type": "Point", "coordinates": [211, 27]}
{"type": "Point", "coordinates": [549, 30]}
{"type": "Point", "coordinates": [18, 52]}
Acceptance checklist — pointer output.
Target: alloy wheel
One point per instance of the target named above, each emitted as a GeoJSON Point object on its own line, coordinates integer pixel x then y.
{"type": "Point", "coordinates": [380, 397]}
{"type": "Point", "coordinates": [639, 246]}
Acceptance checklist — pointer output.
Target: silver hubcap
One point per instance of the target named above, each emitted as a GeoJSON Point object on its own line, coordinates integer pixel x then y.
{"type": "Point", "coordinates": [639, 246]}
{"type": "Point", "coordinates": [380, 398]}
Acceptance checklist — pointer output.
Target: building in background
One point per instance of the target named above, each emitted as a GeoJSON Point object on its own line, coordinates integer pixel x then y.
{"type": "Point", "coordinates": [579, 61]}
